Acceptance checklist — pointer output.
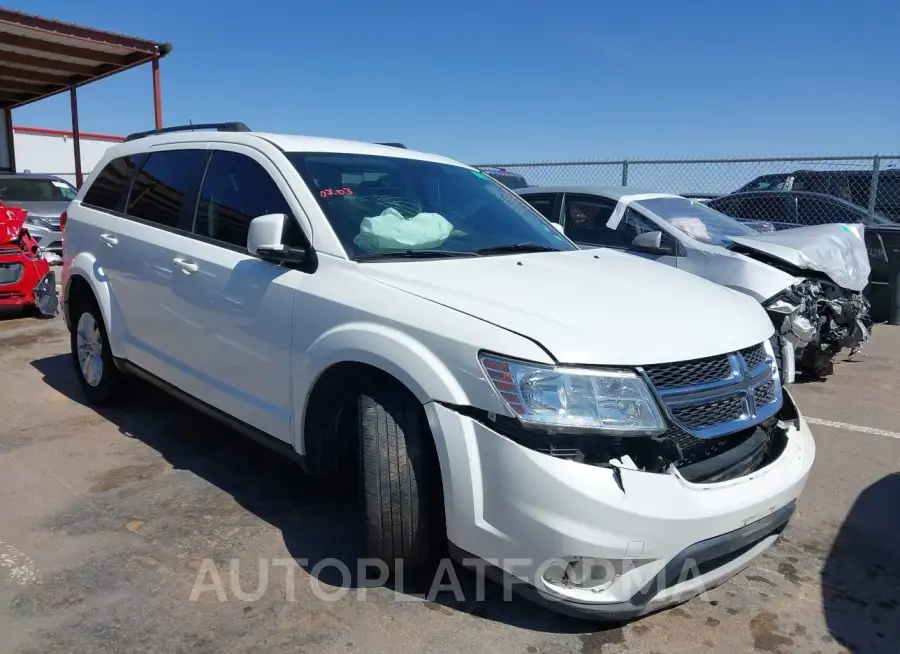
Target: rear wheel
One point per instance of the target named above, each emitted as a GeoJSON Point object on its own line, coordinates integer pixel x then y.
{"type": "Point", "coordinates": [102, 382]}
{"type": "Point", "coordinates": [402, 501]}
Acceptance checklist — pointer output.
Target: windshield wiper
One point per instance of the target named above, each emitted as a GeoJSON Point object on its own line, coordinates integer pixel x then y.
{"type": "Point", "coordinates": [517, 247]}
{"type": "Point", "coordinates": [413, 254]}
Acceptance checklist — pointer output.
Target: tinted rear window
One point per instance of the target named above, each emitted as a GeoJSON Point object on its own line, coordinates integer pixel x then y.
{"type": "Point", "coordinates": [111, 184]}
{"type": "Point", "coordinates": [161, 187]}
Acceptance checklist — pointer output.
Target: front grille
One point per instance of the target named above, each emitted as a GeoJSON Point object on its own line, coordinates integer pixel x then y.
{"type": "Point", "coordinates": [764, 393]}
{"type": "Point", "coordinates": [715, 396]}
{"type": "Point", "coordinates": [689, 373]}
{"type": "Point", "coordinates": [710, 414]}
{"type": "Point", "coordinates": [753, 356]}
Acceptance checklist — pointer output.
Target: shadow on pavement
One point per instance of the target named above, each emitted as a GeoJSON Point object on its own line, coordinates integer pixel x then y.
{"type": "Point", "coordinates": [318, 520]}
{"type": "Point", "coordinates": [861, 576]}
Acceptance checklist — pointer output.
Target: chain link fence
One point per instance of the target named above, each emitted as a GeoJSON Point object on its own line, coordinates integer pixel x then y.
{"type": "Point", "coordinates": [848, 187]}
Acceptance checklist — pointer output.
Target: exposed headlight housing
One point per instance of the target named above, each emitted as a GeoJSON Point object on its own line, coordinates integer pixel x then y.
{"type": "Point", "coordinates": [615, 402]}
{"type": "Point", "coordinates": [37, 221]}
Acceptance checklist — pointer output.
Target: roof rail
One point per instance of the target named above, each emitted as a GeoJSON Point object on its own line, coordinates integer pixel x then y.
{"type": "Point", "coordinates": [394, 145]}
{"type": "Point", "coordinates": [219, 127]}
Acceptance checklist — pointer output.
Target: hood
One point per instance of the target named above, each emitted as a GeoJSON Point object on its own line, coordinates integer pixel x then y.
{"type": "Point", "coordinates": [838, 251]}
{"type": "Point", "coordinates": [11, 221]}
{"type": "Point", "coordinates": [593, 307]}
{"type": "Point", "coordinates": [41, 209]}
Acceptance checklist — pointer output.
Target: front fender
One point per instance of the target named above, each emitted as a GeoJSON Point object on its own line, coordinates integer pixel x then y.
{"type": "Point", "coordinates": [742, 273]}
{"type": "Point", "coordinates": [396, 353]}
{"type": "Point", "coordinates": [85, 266]}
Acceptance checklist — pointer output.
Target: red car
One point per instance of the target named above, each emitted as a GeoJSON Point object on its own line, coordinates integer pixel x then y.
{"type": "Point", "coordinates": [25, 277]}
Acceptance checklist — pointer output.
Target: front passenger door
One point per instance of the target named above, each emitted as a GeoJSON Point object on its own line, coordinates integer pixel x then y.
{"type": "Point", "coordinates": [243, 356]}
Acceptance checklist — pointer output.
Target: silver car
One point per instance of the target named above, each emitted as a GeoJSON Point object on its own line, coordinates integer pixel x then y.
{"type": "Point", "coordinates": [45, 198]}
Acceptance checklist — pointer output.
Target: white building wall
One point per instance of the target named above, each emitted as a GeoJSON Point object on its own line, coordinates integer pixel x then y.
{"type": "Point", "coordinates": [53, 152]}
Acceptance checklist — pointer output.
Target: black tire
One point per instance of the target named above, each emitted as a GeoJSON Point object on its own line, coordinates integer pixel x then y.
{"type": "Point", "coordinates": [402, 496]}
{"type": "Point", "coordinates": [112, 382]}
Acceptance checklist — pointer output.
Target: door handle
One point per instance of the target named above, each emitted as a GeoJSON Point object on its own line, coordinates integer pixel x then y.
{"type": "Point", "coordinates": [109, 239]}
{"type": "Point", "coordinates": [186, 265]}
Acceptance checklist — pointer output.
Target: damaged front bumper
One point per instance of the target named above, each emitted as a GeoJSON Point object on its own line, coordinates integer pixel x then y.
{"type": "Point", "coordinates": [24, 283]}
{"type": "Point", "coordinates": [611, 541]}
{"type": "Point", "coordinates": [814, 320]}
{"type": "Point", "coordinates": [25, 275]}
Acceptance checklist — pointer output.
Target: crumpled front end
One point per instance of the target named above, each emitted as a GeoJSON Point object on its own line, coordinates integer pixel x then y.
{"type": "Point", "coordinates": [814, 320]}
{"type": "Point", "coordinates": [25, 276]}
{"type": "Point", "coordinates": [612, 528]}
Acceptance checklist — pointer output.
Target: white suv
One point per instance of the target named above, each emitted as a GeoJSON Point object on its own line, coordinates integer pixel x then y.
{"type": "Point", "coordinates": [606, 429]}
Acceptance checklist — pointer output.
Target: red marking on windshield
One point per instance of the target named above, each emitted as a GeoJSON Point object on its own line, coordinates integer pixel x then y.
{"type": "Point", "coordinates": [330, 192]}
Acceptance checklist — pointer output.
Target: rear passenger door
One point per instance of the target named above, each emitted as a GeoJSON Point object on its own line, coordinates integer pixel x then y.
{"type": "Point", "coordinates": [137, 251]}
{"type": "Point", "coordinates": [241, 356]}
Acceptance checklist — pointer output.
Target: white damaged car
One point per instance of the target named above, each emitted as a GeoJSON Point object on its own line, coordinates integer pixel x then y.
{"type": "Point", "coordinates": [809, 279]}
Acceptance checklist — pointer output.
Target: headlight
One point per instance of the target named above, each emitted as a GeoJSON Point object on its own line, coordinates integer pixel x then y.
{"type": "Point", "coordinates": [614, 401]}
{"type": "Point", "coordinates": [36, 221]}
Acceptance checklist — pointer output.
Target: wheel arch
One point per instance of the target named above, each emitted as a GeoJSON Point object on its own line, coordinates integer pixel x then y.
{"type": "Point", "coordinates": [85, 276]}
{"type": "Point", "coordinates": [350, 353]}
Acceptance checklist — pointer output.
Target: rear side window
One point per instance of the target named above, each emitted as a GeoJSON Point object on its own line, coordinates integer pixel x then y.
{"type": "Point", "coordinates": [777, 208]}
{"type": "Point", "coordinates": [111, 184]}
{"type": "Point", "coordinates": [236, 190]}
{"type": "Point", "coordinates": [164, 183]}
{"type": "Point", "coordinates": [813, 211]}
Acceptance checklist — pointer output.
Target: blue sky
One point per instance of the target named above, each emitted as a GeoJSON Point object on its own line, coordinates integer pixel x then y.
{"type": "Point", "coordinates": [495, 81]}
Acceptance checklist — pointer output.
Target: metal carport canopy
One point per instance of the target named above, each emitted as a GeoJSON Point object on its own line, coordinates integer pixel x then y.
{"type": "Point", "coordinates": [41, 57]}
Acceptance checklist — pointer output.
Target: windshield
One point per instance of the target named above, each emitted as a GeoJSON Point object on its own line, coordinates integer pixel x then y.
{"type": "Point", "coordinates": [697, 220]}
{"type": "Point", "coordinates": [380, 206]}
{"type": "Point", "coordinates": [24, 189]}
{"type": "Point", "coordinates": [766, 183]}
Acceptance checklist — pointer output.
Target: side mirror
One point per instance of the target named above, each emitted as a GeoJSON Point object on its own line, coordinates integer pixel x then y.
{"type": "Point", "coordinates": [560, 228]}
{"type": "Point", "coordinates": [265, 239]}
{"type": "Point", "coordinates": [651, 243]}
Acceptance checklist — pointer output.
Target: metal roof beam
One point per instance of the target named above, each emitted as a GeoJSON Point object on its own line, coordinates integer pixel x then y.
{"type": "Point", "coordinates": [49, 47]}
{"type": "Point", "coordinates": [64, 67]}
{"type": "Point", "coordinates": [67, 29]}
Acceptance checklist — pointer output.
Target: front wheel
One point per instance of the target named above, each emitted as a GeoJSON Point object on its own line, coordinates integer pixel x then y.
{"type": "Point", "coordinates": [401, 489]}
{"type": "Point", "coordinates": [102, 382]}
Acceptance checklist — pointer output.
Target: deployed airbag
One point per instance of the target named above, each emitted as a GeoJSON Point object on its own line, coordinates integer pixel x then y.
{"type": "Point", "coordinates": [839, 251]}
{"type": "Point", "coordinates": [391, 231]}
